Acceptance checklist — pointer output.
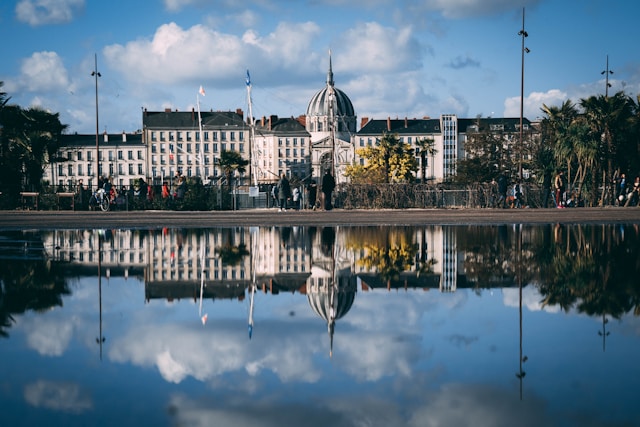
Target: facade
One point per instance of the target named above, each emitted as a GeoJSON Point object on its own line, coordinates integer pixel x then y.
{"type": "Point", "coordinates": [448, 133]}
{"type": "Point", "coordinates": [121, 157]}
{"type": "Point", "coordinates": [325, 138]}
{"type": "Point", "coordinates": [331, 122]}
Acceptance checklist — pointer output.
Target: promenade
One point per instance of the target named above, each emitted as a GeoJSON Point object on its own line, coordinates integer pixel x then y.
{"type": "Point", "coordinates": [21, 220]}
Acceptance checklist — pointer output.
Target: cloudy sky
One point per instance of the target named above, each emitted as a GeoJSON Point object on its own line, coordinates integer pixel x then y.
{"type": "Point", "coordinates": [407, 58]}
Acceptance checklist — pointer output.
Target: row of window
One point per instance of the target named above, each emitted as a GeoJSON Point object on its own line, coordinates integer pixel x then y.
{"type": "Point", "coordinates": [195, 148]}
{"type": "Point", "coordinates": [195, 136]}
{"type": "Point", "coordinates": [131, 169]}
{"type": "Point", "coordinates": [111, 155]}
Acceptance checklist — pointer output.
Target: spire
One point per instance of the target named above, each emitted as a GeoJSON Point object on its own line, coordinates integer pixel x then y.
{"type": "Point", "coordinates": [330, 73]}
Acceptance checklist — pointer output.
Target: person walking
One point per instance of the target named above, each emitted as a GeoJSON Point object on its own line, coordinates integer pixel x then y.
{"type": "Point", "coordinates": [558, 184]}
{"type": "Point", "coordinates": [502, 191]}
{"type": "Point", "coordinates": [284, 192]}
{"type": "Point", "coordinates": [328, 185]}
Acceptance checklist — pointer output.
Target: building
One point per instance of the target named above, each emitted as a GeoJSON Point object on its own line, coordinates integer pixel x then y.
{"type": "Point", "coordinates": [331, 122]}
{"type": "Point", "coordinates": [448, 133]}
{"type": "Point", "coordinates": [121, 157]}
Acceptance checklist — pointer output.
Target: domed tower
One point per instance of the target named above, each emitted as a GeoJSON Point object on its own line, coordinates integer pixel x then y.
{"type": "Point", "coordinates": [331, 121]}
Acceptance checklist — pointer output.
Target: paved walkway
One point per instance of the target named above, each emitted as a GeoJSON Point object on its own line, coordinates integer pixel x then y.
{"type": "Point", "coordinates": [156, 219]}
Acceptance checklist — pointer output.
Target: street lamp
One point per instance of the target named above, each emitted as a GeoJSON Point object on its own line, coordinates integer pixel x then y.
{"type": "Point", "coordinates": [523, 34]}
{"type": "Point", "coordinates": [96, 74]}
{"type": "Point", "coordinates": [606, 72]}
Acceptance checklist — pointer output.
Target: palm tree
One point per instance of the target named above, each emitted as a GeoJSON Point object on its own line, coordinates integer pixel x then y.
{"type": "Point", "coordinates": [427, 147]}
{"type": "Point", "coordinates": [230, 162]}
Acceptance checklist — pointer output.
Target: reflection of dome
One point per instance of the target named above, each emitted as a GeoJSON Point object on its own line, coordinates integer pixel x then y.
{"type": "Point", "coordinates": [319, 104]}
{"type": "Point", "coordinates": [320, 302]}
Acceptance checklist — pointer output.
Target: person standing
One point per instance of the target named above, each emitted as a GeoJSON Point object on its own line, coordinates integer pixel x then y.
{"type": "Point", "coordinates": [558, 184]}
{"type": "Point", "coordinates": [312, 194]}
{"type": "Point", "coordinates": [284, 192]}
{"type": "Point", "coordinates": [328, 185]}
{"type": "Point", "coordinates": [502, 190]}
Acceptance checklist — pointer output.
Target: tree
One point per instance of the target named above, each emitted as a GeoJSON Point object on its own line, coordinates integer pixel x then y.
{"type": "Point", "coordinates": [230, 162]}
{"type": "Point", "coordinates": [426, 147]}
{"type": "Point", "coordinates": [487, 154]}
{"type": "Point", "coordinates": [390, 160]}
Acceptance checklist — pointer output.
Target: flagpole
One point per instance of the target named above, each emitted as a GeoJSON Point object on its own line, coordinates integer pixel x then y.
{"type": "Point", "coordinates": [251, 133]}
{"type": "Point", "coordinates": [200, 155]}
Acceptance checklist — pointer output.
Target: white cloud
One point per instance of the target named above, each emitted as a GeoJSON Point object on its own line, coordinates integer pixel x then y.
{"type": "Point", "coordinates": [50, 338]}
{"type": "Point", "coordinates": [63, 397]}
{"type": "Point", "coordinates": [43, 12]}
{"type": "Point", "coordinates": [533, 103]}
{"type": "Point", "coordinates": [469, 8]}
{"type": "Point", "coordinates": [175, 55]}
{"type": "Point", "coordinates": [42, 72]}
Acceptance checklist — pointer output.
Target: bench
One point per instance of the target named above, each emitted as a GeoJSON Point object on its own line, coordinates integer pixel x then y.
{"type": "Point", "coordinates": [29, 195]}
{"type": "Point", "coordinates": [71, 196]}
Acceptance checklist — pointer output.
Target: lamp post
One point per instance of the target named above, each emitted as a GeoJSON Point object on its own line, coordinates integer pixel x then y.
{"type": "Point", "coordinates": [523, 34]}
{"type": "Point", "coordinates": [606, 72]}
{"type": "Point", "coordinates": [96, 74]}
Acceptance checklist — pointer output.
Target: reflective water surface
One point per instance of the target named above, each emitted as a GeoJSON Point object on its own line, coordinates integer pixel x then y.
{"type": "Point", "coordinates": [341, 326]}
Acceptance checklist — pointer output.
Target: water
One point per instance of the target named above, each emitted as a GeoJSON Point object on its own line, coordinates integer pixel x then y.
{"type": "Point", "coordinates": [341, 326]}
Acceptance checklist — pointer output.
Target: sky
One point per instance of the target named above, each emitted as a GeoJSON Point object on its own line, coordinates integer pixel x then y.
{"type": "Point", "coordinates": [411, 58]}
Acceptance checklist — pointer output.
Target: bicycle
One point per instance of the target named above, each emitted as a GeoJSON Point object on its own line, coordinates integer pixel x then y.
{"type": "Point", "coordinates": [101, 199]}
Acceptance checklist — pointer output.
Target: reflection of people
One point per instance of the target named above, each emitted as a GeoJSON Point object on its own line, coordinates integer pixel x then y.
{"type": "Point", "coordinates": [328, 184]}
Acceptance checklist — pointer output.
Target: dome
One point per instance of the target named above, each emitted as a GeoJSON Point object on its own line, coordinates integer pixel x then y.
{"type": "Point", "coordinates": [319, 104]}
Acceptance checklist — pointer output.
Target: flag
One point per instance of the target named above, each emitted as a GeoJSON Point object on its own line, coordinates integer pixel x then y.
{"type": "Point", "coordinates": [248, 79]}
{"type": "Point", "coordinates": [204, 318]}
{"type": "Point", "coordinates": [201, 91]}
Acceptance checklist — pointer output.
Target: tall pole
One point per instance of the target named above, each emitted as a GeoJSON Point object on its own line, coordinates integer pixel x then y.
{"type": "Point", "coordinates": [252, 170]}
{"type": "Point", "coordinates": [606, 72]}
{"type": "Point", "coordinates": [96, 74]}
{"type": "Point", "coordinates": [523, 35]}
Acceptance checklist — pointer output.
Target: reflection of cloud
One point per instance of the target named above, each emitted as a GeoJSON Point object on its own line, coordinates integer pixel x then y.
{"type": "Point", "coordinates": [471, 405]}
{"type": "Point", "coordinates": [450, 405]}
{"type": "Point", "coordinates": [530, 299]}
{"type": "Point", "coordinates": [180, 351]}
{"type": "Point", "coordinates": [463, 341]}
{"type": "Point", "coordinates": [49, 337]}
{"type": "Point", "coordinates": [63, 397]}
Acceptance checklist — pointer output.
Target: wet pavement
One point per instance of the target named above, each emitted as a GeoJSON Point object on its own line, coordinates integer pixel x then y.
{"type": "Point", "coordinates": [199, 219]}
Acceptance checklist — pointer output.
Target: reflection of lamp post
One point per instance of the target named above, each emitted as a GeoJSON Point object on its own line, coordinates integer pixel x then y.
{"type": "Point", "coordinates": [606, 72]}
{"type": "Point", "coordinates": [520, 374]}
{"type": "Point", "coordinates": [604, 332]}
{"type": "Point", "coordinates": [96, 74]}
{"type": "Point", "coordinates": [523, 34]}
{"type": "Point", "coordinates": [100, 339]}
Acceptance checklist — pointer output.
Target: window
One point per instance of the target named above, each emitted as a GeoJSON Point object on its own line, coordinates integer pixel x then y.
{"type": "Point", "coordinates": [80, 169]}
{"type": "Point", "coordinates": [153, 136]}
{"type": "Point", "coordinates": [130, 154]}
{"type": "Point", "coordinates": [223, 136]}
{"type": "Point", "coordinates": [179, 136]}
{"type": "Point", "coordinates": [130, 168]}
{"type": "Point", "coordinates": [232, 136]}
{"type": "Point", "coordinates": [140, 154]}
{"type": "Point", "coordinates": [241, 136]}
{"type": "Point", "coordinates": [162, 137]}
{"type": "Point", "coordinates": [79, 155]}
{"type": "Point", "coordinates": [140, 169]}
{"type": "Point", "coordinates": [120, 157]}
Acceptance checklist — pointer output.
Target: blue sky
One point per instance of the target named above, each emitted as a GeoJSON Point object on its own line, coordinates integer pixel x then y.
{"type": "Point", "coordinates": [392, 58]}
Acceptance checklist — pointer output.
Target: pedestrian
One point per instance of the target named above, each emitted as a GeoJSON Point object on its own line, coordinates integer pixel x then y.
{"type": "Point", "coordinates": [559, 186]}
{"type": "Point", "coordinates": [328, 185]}
{"type": "Point", "coordinates": [181, 186]}
{"type": "Point", "coordinates": [312, 192]}
{"type": "Point", "coordinates": [284, 192]}
{"type": "Point", "coordinates": [502, 190]}
{"type": "Point", "coordinates": [295, 197]}
{"type": "Point", "coordinates": [165, 190]}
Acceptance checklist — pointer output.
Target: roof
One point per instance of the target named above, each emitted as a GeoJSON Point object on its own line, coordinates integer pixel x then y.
{"type": "Point", "coordinates": [432, 126]}
{"type": "Point", "coordinates": [189, 119]}
{"type": "Point", "coordinates": [112, 140]}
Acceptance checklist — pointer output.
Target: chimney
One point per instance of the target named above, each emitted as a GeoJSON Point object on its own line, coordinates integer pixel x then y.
{"type": "Point", "coordinates": [263, 121]}
{"type": "Point", "coordinates": [406, 123]}
{"type": "Point", "coordinates": [302, 120]}
{"type": "Point", "coordinates": [363, 122]}
{"type": "Point", "coordinates": [193, 114]}
{"type": "Point", "coordinates": [106, 137]}
{"type": "Point", "coordinates": [388, 124]}
{"type": "Point", "coordinates": [272, 121]}
{"type": "Point", "coordinates": [124, 136]}
{"type": "Point", "coordinates": [145, 111]}
{"type": "Point", "coordinates": [240, 113]}
{"type": "Point", "coordinates": [167, 110]}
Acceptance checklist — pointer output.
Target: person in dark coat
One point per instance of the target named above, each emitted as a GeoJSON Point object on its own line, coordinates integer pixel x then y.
{"type": "Point", "coordinates": [284, 192]}
{"type": "Point", "coordinates": [312, 193]}
{"type": "Point", "coordinates": [328, 185]}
